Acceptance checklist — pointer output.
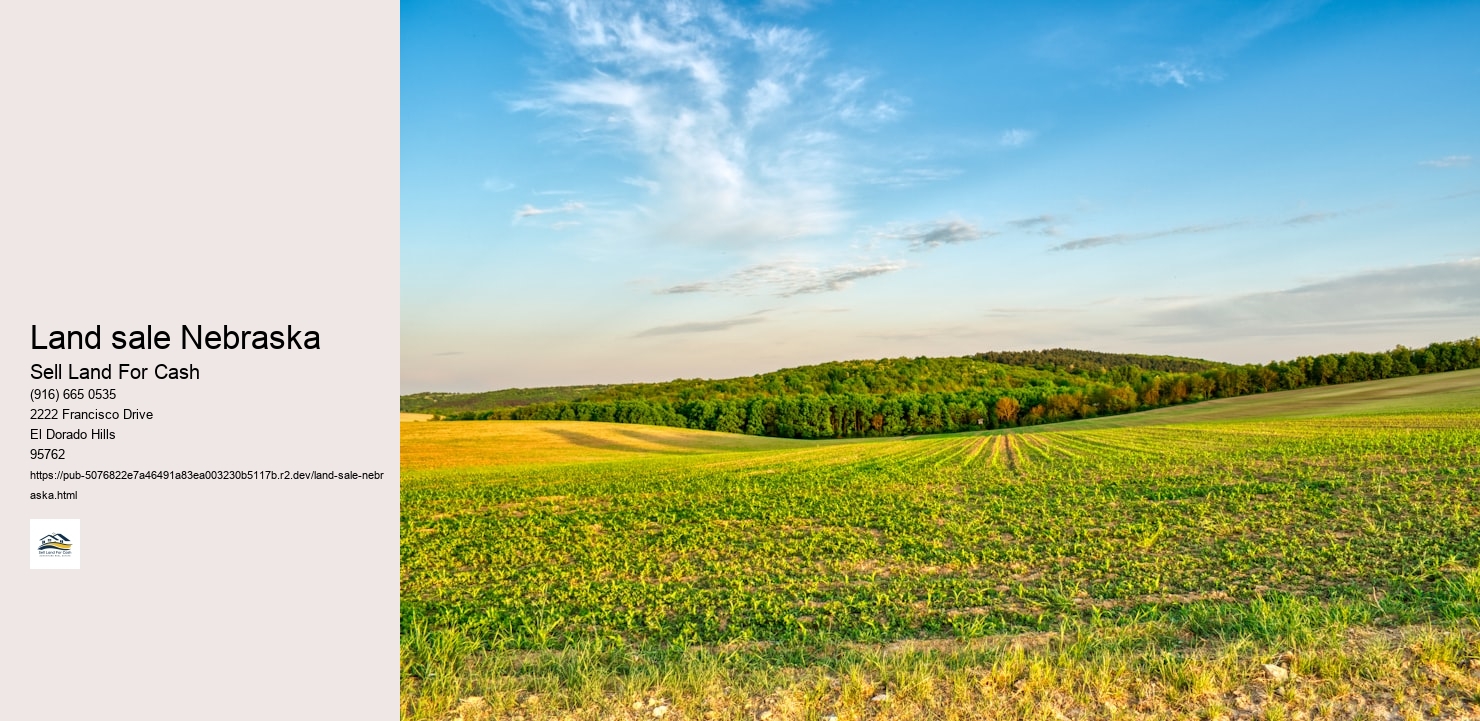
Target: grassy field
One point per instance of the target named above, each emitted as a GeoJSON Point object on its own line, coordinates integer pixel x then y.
{"type": "Point", "coordinates": [1293, 555]}
{"type": "Point", "coordinates": [1456, 391]}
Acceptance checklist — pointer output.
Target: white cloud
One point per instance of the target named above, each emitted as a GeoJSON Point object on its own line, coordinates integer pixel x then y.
{"type": "Point", "coordinates": [530, 211]}
{"type": "Point", "coordinates": [496, 185]}
{"type": "Point", "coordinates": [1016, 138]}
{"type": "Point", "coordinates": [1178, 73]}
{"type": "Point", "coordinates": [852, 105]}
{"type": "Point", "coordinates": [1448, 161]}
{"type": "Point", "coordinates": [637, 181]}
{"type": "Point", "coordinates": [733, 120]}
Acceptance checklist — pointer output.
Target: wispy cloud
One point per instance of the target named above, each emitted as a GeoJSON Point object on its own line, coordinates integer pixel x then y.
{"type": "Point", "coordinates": [1015, 311]}
{"type": "Point", "coordinates": [1258, 21]}
{"type": "Point", "coordinates": [496, 185]}
{"type": "Point", "coordinates": [789, 5]}
{"type": "Point", "coordinates": [1051, 225]}
{"type": "Point", "coordinates": [1016, 138]}
{"type": "Point", "coordinates": [530, 211]}
{"type": "Point", "coordinates": [905, 177]}
{"type": "Point", "coordinates": [1183, 73]}
{"type": "Point", "coordinates": [651, 186]}
{"type": "Point", "coordinates": [786, 279]}
{"type": "Point", "coordinates": [703, 286]}
{"type": "Point", "coordinates": [1308, 218]}
{"type": "Point", "coordinates": [738, 123]}
{"type": "Point", "coordinates": [1123, 238]}
{"type": "Point", "coordinates": [1325, 215]}
{"type": "Point", "coordinates": [852, 105]}
{"type": "Point", "coordinates": [1385, 299]}
{"type": "Point", "coordinates": [700, 327]}
{"type": "Point", "coordinates": [928, 236]}
{"type": "Point", "coordinates": [1199, 62]}
{"type": "Point", "coordinates": [1448, 161]}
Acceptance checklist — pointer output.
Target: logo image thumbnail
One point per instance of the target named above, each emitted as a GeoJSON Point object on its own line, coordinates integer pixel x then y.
{"type": "Point", "coordinates": [55, 541]}
{"type": "Point", "coordinates": [59, 544]}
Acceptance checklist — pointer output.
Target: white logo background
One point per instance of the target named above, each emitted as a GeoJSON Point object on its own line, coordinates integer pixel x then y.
{"type": "Point", "coordinates": [42, 527]}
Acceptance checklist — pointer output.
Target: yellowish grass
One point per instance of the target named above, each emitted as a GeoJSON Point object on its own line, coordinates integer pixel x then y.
{"type": "Point", "coordinates": [460, 444]}
{"type": "Point", "coordinates": [414, 417]}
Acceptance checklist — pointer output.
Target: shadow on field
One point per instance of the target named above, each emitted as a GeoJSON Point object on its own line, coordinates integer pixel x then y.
{"type": "Point", "coordinates": [606, 443]}
{"type": "Point", "coordinates": [676, 443]}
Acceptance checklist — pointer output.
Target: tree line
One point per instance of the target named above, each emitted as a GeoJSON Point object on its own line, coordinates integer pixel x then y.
{"type": "Point", "coordinates": [1070, 360]}
{"type": "Point", "coordinates": [1068, 395]}
{"type": "Point", "coordinates": [868, 377]}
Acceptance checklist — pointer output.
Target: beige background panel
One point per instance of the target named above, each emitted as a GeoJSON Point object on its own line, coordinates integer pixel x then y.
{"type": "Point", "coordinates": [174, 163]}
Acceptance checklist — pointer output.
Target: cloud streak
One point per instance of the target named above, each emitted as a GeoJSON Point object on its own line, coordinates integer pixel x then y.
{"type": "Point", "coordinates": [906, 177]}
{"type": "Point", "coordinates": [1309, 218]}
{"type": "Point", "coordinates": [1016, 138]}
{"type": "Point", "coordinates": [1448, 161]}
{"type": "Point", "coordinates": [1198, 63]}
{"type": "Point", "coordinates": [530, 211]}
{"type": "Point", "coordinates": [1123, 238]}
{"type": "Point", "coordinates": [496, 185]}
{"type": "Point", "coordinates": [1387, 299]}
{"type": "Point", "coordinates": [1325, 215]}
{"type": "Point", "coordinates": [787, 279]}
{"type": "Point", "coordinates": [1184, 74]}
{"type": "Point", "coordinates": [1045, 224]}
{"type": "Point", "coordinates": [929, 236]}
{"type": "Point", "coordinates": [698, 327]}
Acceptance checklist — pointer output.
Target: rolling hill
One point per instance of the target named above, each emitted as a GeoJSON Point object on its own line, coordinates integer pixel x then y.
{"type": "Point", "coordinates": [911, 396]}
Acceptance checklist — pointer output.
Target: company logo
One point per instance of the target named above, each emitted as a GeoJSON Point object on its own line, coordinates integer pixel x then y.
{"type": "Point", "coordinates": [56, 542]}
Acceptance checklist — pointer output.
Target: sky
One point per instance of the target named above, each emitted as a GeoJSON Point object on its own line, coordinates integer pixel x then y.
{"type": "Point", "coordinates": [608, 192]}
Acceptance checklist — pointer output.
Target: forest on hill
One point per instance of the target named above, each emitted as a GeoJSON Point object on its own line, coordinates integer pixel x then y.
{"type": "Point", "coordinates": [905, 396]}
{"type": "Point", "coordinates": [869, 377]}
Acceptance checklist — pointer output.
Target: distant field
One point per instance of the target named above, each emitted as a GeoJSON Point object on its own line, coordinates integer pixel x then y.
{"type": "Point", "coordinates": [593, 571]}
{"type": "Point", "coordinates": [1457, 390]}
{"type": "Point", "coordinates": [496, 443]}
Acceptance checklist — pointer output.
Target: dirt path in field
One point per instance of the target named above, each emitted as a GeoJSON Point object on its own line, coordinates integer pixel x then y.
{"type": "Point", "coordinates": [1009, 448]}
{"type": "Point", "coordinates": [975, 451]}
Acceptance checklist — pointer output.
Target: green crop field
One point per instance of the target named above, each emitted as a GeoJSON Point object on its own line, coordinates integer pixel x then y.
{"type": "Point", "coordinates": [1288, 555]}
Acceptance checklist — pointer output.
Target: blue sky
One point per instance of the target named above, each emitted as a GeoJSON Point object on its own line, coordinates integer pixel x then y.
{"type": "Point", "coordinates": [637, 191]}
